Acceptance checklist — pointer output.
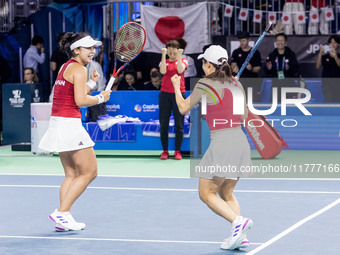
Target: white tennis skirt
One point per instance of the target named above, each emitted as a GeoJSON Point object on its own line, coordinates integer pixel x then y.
{"type": "Point", "coordinates": [65, 134]}
{"type": "Point", "coordinates": [228, 156]}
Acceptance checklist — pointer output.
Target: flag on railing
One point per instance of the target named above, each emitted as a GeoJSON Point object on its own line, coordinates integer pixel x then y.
{"type": "Point", "coordinates": [165, 24]}
{"type": "Point", "coordinates": [257, 18]}
{"type": "Point", "coordinates": [243, 15]}
{"type": "Point", "coordinates": [314, 16]}
{"type": "Point", "coordinates": [329, 15]}
{"type": "Point", "coordinates": [272, 17]}
{"type": "Point", "coordinates": [286, 18]}
{"type": "Point", "coordinates": [228, 12]}
{"type": "Point", "coordinates": [301, 19]}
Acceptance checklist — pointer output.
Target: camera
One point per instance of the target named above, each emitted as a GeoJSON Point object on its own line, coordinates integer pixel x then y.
{"type": "Point", "coordinates": [327, 48]}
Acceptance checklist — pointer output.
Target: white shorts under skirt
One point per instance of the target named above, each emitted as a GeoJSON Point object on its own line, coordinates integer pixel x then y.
{"type": "Point", "coordinates": [228, 156]}
{"type": "Point", "coordinates": [65, 134]}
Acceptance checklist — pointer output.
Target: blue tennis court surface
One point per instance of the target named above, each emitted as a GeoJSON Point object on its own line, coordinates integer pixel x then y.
{"type": "Point", "coordinates": [136, 215]}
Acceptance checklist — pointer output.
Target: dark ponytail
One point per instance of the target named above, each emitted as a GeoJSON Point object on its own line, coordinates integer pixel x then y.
{"type": "Point", "coordinates": [222, 72]}
{"type": "Point", "coordinates": [67, 39]}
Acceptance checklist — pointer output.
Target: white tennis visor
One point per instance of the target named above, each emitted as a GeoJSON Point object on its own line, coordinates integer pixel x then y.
{"type": "Point", "coordinates": [86, 41]}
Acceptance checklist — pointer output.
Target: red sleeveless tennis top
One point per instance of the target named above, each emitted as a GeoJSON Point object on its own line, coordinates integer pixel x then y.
{"type": "Point", "coordinates": [220, 115]}
{"type": "Point", "coordinates": [64, 104]}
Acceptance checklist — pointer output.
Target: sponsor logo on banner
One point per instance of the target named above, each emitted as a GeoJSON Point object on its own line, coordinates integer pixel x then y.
{"type": "Point", "coordinates": [16, 100]}
{"type": "Point", "coordinates": [138, 108]}
{"type": "Point", "coordinates": [113, 107]}
{"type": "Point", "coordinates": [146, 107]}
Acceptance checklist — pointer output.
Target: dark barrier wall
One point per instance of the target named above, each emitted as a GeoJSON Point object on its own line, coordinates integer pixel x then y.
{"type": "Point", "coordinates": [16, 100]}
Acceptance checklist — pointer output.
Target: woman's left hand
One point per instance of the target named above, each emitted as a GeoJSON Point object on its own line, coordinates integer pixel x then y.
{"type": "Point", "coordinates": [176, 81]}
{"type": "Point", "coordinates": [94, 76]}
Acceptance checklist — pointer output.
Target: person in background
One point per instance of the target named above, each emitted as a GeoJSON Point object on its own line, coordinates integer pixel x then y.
{"type": "Point", "coordinates": [329, 59]}
{"type": "Point", "coordinates": [129, 81]}
{"type": "Point", "coordinates": [191, 71]}
{"type": "Point", "coordinates": [101, 82]}
{"type": "Point", "coordinates": [167, 102]}
{"type": "Point", "coordinates": [249, 77]}
{"type": "Point", "coordinates": [30, 76]}
{"type": "Point", "coordinates": [32, 58]}
{"type": "Point", "coordinates": [282, 64]}
{"type": "Point", "coordinates": [156, 81]}
{"type": "Point", "coordinates": [58, 58]}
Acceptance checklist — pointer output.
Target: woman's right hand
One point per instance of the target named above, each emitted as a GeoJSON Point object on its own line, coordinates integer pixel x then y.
{"type": "Point", "coordinates": [106, 95]}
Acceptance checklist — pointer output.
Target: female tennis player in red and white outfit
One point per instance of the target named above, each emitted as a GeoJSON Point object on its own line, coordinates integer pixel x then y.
{"type": "Point", "coordinates": [167, 103]}
{"type": "Point", "coordinates": [65, 133]}
{"type": "Point", "coordinates": [229, 152]}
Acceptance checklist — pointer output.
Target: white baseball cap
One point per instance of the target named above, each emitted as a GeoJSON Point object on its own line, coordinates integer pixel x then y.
{"type": "Point", "coordinates": [86, 41]}
{"type": "Point", "coordinates": [213, 54]}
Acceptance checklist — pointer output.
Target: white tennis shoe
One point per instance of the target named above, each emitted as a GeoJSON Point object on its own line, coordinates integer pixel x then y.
{"type": "Point", "coordinates": [239, 229]}
{"type": "Point", "coordinates": [65, 221]}
{"type": "Point", "coordinates": [245, 244]}
{"type": "Point", "coordinates": [59, 228]}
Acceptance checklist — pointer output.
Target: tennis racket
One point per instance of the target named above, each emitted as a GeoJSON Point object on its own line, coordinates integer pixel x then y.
{"type": "Point", "coordinates": [250, 55]}
{"type": "Point", "coordinates": [129, 42]}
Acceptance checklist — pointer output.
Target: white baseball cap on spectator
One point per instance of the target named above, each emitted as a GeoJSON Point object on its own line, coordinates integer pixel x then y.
{"type": "Point", "coordinates": [213, 54]}
{"type": "Point", "coordinates": [86, 41]}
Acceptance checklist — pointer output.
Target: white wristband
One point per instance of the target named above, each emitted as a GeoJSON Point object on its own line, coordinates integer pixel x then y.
{"type": "Point", "coordinates": [91, 84]}
{"type": "Point", "coordinates": [100, 98]}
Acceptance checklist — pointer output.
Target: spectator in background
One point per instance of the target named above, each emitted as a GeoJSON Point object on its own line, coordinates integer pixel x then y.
{"type": "Point", "coordinates": [153, 69]}
{"type": "Point", "coordinates": [167, 101]}
{"type": "Point", "coordinates": [294, 6]}
{"type": "Point", "coordinates": [101, 82]}
{"type": "Point", "coordinates": [129, 81]}
{"type": "Point", "coordinates": [313, 28]}
{"type": "Point", "coordinates": [5, 73]}
{"type": "Point", "coordinates": [191, 70]}
{"type": "Point", "coordinates": [249, 77]}
{"type": "Point", "coordinates": [329, 59]}
{"type": "Point", "coordinates": [156, 81]}
{"type": "Point", "coordinates": [30, 76]}
{"type": "Point", "coordinates": [282, 64]}
{"type": "Point", "coordinates": [32, 58]}
{"type": "Point", "coordinates": [58, 58]}
{"type": "Point", "coordinates": [102, 59]}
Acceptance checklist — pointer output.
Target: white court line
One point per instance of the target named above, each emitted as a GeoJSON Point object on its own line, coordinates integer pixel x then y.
{"type": "Point", "coordinates": [115, 240]}
{"type": "Point", "coordinates": [181, 177]}
{"type": "Point", "coordinates": [295, 226]}
{"type": "Point", "coordinates": [188, 190]}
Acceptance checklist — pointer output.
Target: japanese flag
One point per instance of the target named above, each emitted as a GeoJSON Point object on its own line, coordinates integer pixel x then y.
{"type": "Point", "coordinates": [257, 16]}
{"type": "Point", "coordinates": [300, 16]}
{"type": "Point", "coordinates": [243, 15]}
{"type": "Point", "coordinates": [286, 18]}
{"type": "Point", "coordinates": [314, 16]}
{"type": "Point", "coordinates": [165, 24]}
{"type": "Point", "coordinates": [272, 17]}
{"type": "Point", "coordinates": [228, 12]}
{"type": "Point", "coordinates": [329, 15]}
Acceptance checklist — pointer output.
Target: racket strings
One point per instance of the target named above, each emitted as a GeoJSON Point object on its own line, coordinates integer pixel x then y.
{"type": "Point", "coordinates": [129, 41]}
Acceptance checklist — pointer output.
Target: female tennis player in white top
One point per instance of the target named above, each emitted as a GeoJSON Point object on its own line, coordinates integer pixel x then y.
{"type": "Point", "coordinates": [66, 134]}
{"type": "Point", "coordinates": [228, 146]}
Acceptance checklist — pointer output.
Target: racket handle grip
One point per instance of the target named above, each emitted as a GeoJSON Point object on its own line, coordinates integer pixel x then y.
{"type": "Point", "coordinates": [109, 85]}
